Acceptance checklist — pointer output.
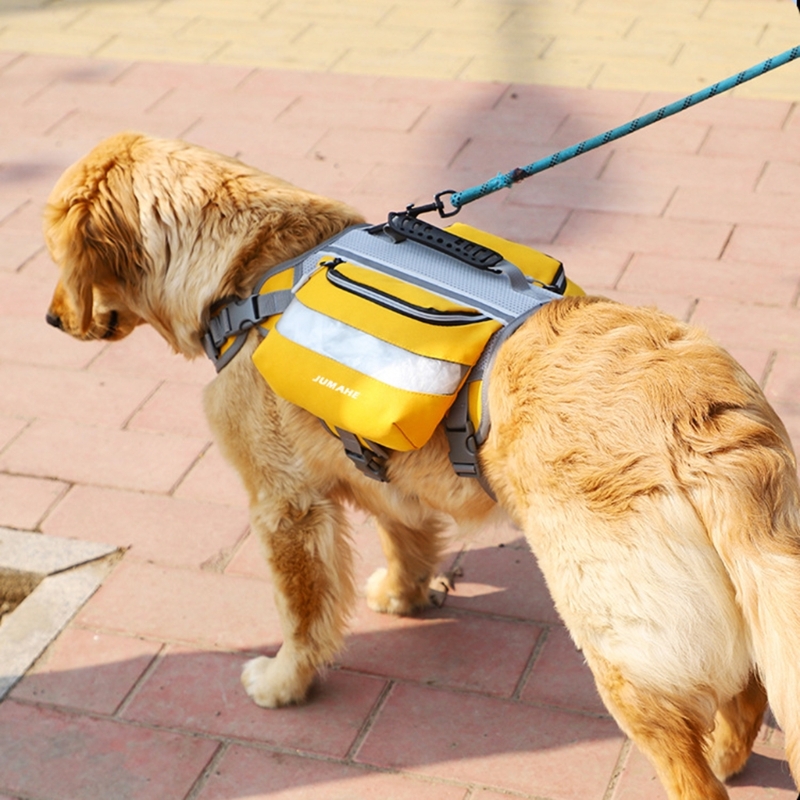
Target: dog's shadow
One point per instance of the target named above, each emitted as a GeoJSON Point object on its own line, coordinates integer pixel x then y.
{"type": "Point", "coordinates": [488, 685]}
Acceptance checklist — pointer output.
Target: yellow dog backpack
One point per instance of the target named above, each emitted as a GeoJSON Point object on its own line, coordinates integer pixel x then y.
{"type": "Point", "coordinates": [382, 332]}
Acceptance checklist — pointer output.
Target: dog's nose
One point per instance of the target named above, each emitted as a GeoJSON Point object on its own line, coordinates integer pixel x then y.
{"type": "Point", "coordinates": [54, 320]}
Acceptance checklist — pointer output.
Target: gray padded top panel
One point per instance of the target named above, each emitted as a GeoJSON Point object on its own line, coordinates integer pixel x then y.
{"type": "Point", "coordinates": [438, 272]}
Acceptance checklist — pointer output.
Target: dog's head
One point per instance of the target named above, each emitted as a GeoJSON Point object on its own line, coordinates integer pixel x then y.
{"type": "Point", "coordinates": [91, 227]}
{"type": "Point", "coordinates": [159, 230]}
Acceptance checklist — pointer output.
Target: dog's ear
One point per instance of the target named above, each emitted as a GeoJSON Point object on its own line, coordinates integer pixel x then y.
{"type": "Point", "coordinates": [91, 225]}
{"type": "Point", "coordinates": [111, 227]}
{"type": "Point", "coordinates": [64, 226]}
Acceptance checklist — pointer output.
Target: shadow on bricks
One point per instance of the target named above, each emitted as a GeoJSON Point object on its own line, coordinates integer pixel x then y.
{"type": "Point", "coordinates": [474, 693]}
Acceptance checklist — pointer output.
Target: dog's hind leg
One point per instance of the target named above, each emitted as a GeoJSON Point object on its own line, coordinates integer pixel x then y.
{"type": "Point", "coordinates": [412, 548]}
{"type": "Point", "coordinates": [671, 732]}
{"type": "Point", "coordinates": [310, 559]}
{"type": "Point", "coordinates": [648, 601]}
{"type": "Point", "coordinates": [737, 725]}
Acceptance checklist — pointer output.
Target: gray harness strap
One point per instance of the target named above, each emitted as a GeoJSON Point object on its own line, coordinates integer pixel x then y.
{"type": "Point", "coordinates": [464, 440]}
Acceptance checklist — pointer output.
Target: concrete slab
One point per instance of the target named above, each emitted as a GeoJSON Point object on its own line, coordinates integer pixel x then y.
{"type": "Point", "coordinates": [66, 573]}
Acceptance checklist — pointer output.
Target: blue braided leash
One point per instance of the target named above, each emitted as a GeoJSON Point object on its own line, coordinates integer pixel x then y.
{"type": "Point", "coordinates": [505, 181]}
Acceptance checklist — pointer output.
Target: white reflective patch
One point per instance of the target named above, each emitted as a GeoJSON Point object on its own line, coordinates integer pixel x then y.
{"type": "Point", "coordinates": [370, 356]}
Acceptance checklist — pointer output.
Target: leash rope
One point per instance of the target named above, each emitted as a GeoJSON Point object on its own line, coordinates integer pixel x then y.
{"type": "Point", "coordinates": [507, 180]}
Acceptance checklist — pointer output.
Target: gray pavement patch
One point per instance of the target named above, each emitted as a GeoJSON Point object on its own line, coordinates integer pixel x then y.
{"type": "Point", "coordinates": [61, 574]}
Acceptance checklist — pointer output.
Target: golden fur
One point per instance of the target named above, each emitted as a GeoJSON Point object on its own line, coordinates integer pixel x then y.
{"type": "Point", "coordinates": [655, 485]}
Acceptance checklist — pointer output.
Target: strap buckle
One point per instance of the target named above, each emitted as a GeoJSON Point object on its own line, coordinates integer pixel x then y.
{"type": "Point", "coordinates": [233, 318]}
{"type": "Point", "coordinates": [463, 447]}
{"type": "Point", "coordinates": [370, 461]}
{"type": "Point", "coordinates": [236, 318]}
{"type": "Point", "coordinates": [463, 442]}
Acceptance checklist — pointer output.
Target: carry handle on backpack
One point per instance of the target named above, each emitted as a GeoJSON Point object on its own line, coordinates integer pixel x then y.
{"type": "Point", "coordinates": [405, 225]}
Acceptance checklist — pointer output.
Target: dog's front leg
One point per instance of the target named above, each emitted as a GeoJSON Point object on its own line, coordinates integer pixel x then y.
{"type": "Point", "coordinates": [309, 555]}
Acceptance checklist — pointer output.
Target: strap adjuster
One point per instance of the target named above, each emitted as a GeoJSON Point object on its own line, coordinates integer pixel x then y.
{"type": "Point", "coordinates": [463, 448]}
{"type": "Point", "coordinates": [236, 318]}
{"type": "Point", "coordinates": [370, 461]}
{"type": "Point", "coordinates": [463, 441]}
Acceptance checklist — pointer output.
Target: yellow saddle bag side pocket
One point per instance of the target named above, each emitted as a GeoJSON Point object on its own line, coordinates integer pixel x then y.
{"type": "Point", "coordinates": [369, 354]}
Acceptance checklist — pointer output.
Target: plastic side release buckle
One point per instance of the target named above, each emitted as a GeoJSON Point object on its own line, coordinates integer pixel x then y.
{"type": "Point", "coordinates": [463, 442]}
{"type": "Point", "coordinates": [370, 461]}
{"type": "Point", "coordinates": [461, 436]}
{"type": "Point", "coordinates": [236, 317]}
{"type": "Point", "coordinates": [463, 450]}
{"type": "Point", "coordinates": [241, 315]}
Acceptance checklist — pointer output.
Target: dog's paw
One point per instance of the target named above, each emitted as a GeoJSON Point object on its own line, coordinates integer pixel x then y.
{"type": "Point", "coordinates": [389, 600]}
{"type": "Point", "coordinates": [274, 682]}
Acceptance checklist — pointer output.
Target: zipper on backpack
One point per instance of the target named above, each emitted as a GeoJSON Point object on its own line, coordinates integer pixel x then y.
{"type": "Point", "coordinates": [432, 316]}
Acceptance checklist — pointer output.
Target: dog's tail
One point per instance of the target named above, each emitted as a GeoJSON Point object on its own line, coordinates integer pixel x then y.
{"type": "Point", "coordinates": [754, 523]}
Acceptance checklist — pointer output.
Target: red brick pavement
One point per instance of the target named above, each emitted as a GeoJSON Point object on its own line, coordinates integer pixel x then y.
{"type": "Point", "coordinates": [139, 697]}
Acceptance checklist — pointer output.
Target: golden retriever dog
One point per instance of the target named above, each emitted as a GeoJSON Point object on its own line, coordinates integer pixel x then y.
{"type": "Point", "coordinates": [655, 485]}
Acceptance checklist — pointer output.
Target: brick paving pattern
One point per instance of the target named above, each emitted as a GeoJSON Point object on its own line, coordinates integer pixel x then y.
{"type": "Point", "coordinates": [379, 103]}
